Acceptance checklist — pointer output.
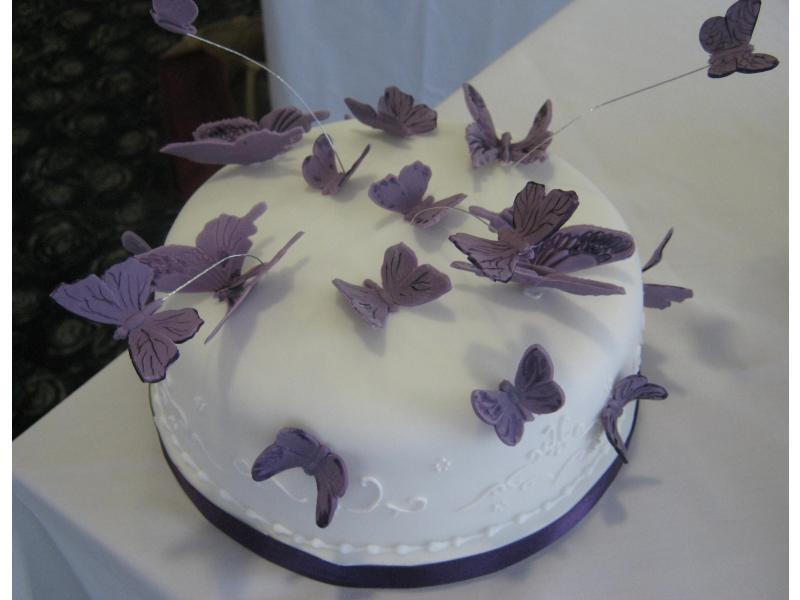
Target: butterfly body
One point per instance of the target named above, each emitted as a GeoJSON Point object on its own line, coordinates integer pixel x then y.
{"type": "Point", "coordinates": [295, 448]}
{"type": "Point", "coordinates": [727, 40]}
{"type": "Point", "coordinates": [513, 404]}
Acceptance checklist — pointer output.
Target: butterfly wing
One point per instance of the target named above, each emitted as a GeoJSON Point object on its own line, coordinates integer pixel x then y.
{"type": "Point", "coordinates": [582, 246]}
{"type": "Point", "coordinates": [176, 16]}
{"type": "Point", "coordinates": [289, 117]}
{"type": "Point", "coordinates": [258, 146]}
{"type": "Point", "coordinates": [292, 448]}
{"type": "Point", "coordinates": [637, 387]}
{"type": "Point", "coordinates": [497, 221]}
{"type": "Point", "coordinates": [740, 19]}
{"type": "Point", "coordinates": [756, 63]}
{"type": "Point", "coordinates": [495, 259]}
{"type": "Point", "coordinates": [534, 145]}
{"type": "Point", "coordinates": [366, 301]}
{"type": "Point", "coordinates": [363, 112]}
{"type": "Point", "coordinates": [331, 478]}
{"type": "Point", "coordinates": [152, 346]}
{"type": "Point", "coordinates": [658, 253]}
{"type": "Point", "coordinates": [482, 140]}
{"type": "Point", "coordinates": [340, 181]}
{"type": "Point", "coordinates": [538, 215]}
{"type": "Point", "coordinates": [134, 243]}
{"type": "Point", "coordinates": [498, 409]}
{"type": "Point", "coordinates": [436, 211]}
{"type": "Point", "coordinates": [662, 296]}
{"type": "Point", "coordinates": [534, 387]}
{"type": "Point", "coordinates": [122, 292]}
{"type": "Point", "coordinates": [408, 284]}
{"type": "Point", "coordinates": [533, 275]}
{"type": "Point", "coordinates": [414, 179]}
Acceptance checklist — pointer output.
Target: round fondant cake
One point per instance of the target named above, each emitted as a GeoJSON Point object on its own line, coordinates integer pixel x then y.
{"type": "Point", "coordinates": [432, 492]}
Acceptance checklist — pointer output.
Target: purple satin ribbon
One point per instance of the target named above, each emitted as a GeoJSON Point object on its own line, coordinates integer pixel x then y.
{"type": "Point", "coordinates": [382, 576]}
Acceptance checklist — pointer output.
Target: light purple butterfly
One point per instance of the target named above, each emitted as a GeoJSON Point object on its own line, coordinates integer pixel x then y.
{"type": "Point", "coordinates": [175, 265]}
{"type": "Point", "coordinates": [486, 147]}
{"type": "Point", "coordinates": [240, 141]}
{"type": "Point", "coordinates": [321, 171]}
{"type": "Point", "coordinates": [535, 217]}
{"type": "Point", "coordinates": [658, 295]}
{"type": "Point", "coordinates": [397, 114]}
{"type": "Point", "coordinates": [176, 16]}
{"type": "Point", "coordinates": [295, 448]}
{"type": "Point", "coordinates": [627, 389]}
{"type": "Point", "coordinates": [727, 40]}
{"type": "Point", "coordinates": [405, 194]}
{"type": "Point", "coordinates": [533, 393]}
{"type": "Point", "coordinates": [123, 297]}
{"type": "Point", "coordinates": [403, 284]}
{"type": "Point", "coordinates": [544, 277]}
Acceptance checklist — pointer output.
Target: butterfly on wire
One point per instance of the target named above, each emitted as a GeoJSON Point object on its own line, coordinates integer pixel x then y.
{"type": "Point", "coordinates": [486, 147]}
{"type": "Point", "coordinates": [194, 269]}
{"type": "Point", "coordinates": [405, 194]}
{"type": "Point", "coordinates": [403, 283]}
{"type": "Point", "coordinates": [321, 171]}
{"type": "Point", "coordinates": [727, 40]}
{"type": "Point", "coordinates": [657, 295]}
{"type": "Point", "coordinates": [295, 448]}
{"type": "Point", "coordinates": [123, 297]}
{"type": "Point", "coordinates": [511, 406]}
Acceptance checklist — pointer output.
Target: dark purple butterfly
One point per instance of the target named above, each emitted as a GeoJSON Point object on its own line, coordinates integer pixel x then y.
{"type": "Point", "coordinates": [727, 40]}
{"type": "Point", "coordinates": [405, 194]}
{"type": "Point", "coordinates": [175, 265]}
{"type": "Point", "coordinates": [123, 297]}
{"type": "Point", "coordinates": [533, 393]}
{"type": "Point", "coordinates": [176, 16]}
{"type": "Point", "coordinates": [486, 147]}
{"type": "Point", "coordinates": [544, 277]}
{"type": "Point", "coordinates": [535, 217]}
{"type": "Point", "coordinates": [321, 171]}
{"type": "Point", "coordinates": [658, 295]}
{"type": "Point", "coordinates": [627, 389]}
{"type": "Point", "coordinates": [240, 141]}
{"type": "Point", "coordinates": [295, 448]}
{"type": "Point", "coordinates": [404, 284]}
{"type": "Point", "coordinates": [397, 114]}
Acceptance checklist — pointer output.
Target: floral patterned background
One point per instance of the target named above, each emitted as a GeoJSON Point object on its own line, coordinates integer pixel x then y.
{"type": "Point", "coordinates": [87, 125]}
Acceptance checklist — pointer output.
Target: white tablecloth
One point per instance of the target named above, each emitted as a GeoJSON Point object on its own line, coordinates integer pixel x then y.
{"type": "Point", "coordinates": [701, 511]}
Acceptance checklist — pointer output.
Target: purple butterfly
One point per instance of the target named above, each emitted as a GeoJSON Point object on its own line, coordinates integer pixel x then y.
{"type": "Point", "coordinates": [632, 387]}
{"type": "Point", "coordinates": [295, 448]}
{"type": "Point", "coordinates": [486, 147]}
{"type": "Point", "coordinates": [405, 194]}
{"type": "Point", "coordinates": [176, 16]}
{"type": "Point", "coordinates": [727, 40]}
{"type": "Point", "coordinates": [544, 277]}
{"type": "Point", "coordinates": [533, 393]}
{"type": "Point", "coordinates": [175, 265]}
{"type": "Point", "coordinates": [123, 297]}
{"type": "Point", "coordinates": [404, 284]}
{"type": "Point", "coordinates": [320, 170]}
{"type": "Point", "coordinates": [397, 114]}
{"type": "Point", "coordinates": [658, 295]}
{"type": "Point", "coordinates": [240, 141]}
{"type": "Point", "coordinates": [535, 217]}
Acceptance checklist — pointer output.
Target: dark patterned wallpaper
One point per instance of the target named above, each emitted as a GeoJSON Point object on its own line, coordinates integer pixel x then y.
{"type": "Point", "coordinates": [87, 125]}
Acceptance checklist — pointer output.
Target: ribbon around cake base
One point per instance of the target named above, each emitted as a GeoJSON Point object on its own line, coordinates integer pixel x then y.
{"type": "Point", "coordinates": [405, 576]}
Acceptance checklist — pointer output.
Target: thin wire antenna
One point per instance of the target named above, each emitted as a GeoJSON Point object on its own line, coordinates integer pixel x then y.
{"type": "Point", "coordinates": [203, 272]}
{"type": "Point", "coordinates": [606, 103]}
{"type": "Point", "coordinates": [466, 212]}
{"type": "Point", "coordinates": [264, 67]}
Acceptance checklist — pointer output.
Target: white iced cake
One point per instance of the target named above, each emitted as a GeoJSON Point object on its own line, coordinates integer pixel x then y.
{"type": "Point", "coordinates": [428, 481]}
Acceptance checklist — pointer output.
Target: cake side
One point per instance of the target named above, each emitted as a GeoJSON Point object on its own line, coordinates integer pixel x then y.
{"type": "Point", "coordinates": [428, 480]}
